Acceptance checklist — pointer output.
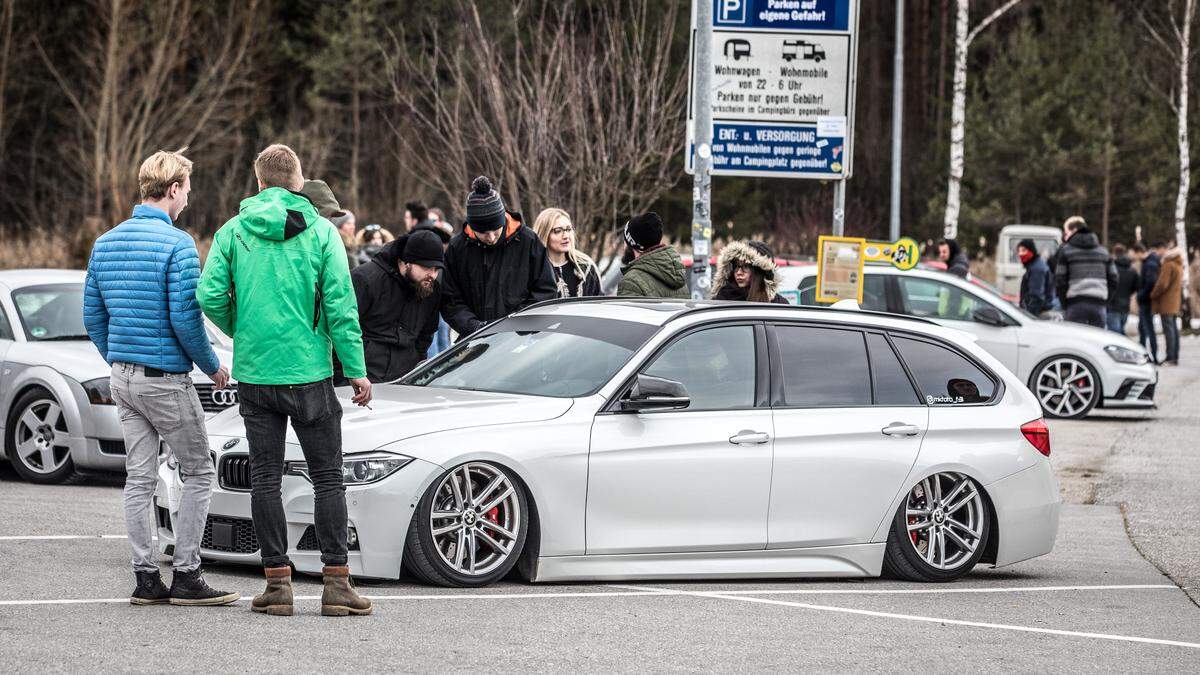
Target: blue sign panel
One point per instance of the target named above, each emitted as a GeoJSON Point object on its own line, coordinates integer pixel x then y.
{"type": "Point", "coordinates": [811, 15]}
{"type": "Point", "coordinates": [765, 149]}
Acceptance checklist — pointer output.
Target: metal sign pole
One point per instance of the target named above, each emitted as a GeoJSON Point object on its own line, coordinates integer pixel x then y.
{"type": "Point", "coordinates": [897, 121]}
{"type": "Point", "coordinates": [702, 183]}
{"type": "Point", "coordinates": [839, 208]}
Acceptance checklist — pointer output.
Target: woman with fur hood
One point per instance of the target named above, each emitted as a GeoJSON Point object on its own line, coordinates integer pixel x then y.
{"type": "Point", "coordinates": [746, 271]}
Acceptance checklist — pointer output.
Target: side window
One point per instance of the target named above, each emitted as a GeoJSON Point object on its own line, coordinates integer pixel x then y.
{"type": "Point", "coordinates": [5, 329]}
{"type": "Point", "coordinates": [945, 376]}
{"type": "Point", "coordinates": [715, 365]}
{"type": "Point", "coordinates": [892, 386]}
{"type": "Point", "coordinates": [874, 292]}
{"type": "Point", "coordinates": [823, 367]}
{"type": "Point", "coordinates": [931, 298]}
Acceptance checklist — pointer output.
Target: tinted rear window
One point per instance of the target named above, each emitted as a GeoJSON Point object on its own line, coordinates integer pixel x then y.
{"type": "Point", "coordinates": [823, 367]}
{"type": "Point", "coordinates": [892, 386]}
{"type": "Point", "coordinates": [945, 376]}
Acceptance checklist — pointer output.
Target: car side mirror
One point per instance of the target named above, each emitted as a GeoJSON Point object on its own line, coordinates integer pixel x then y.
{"type": "Point", "coordinates": [988, 315]}
{"type": "Point", "coordinates": [655, 393]}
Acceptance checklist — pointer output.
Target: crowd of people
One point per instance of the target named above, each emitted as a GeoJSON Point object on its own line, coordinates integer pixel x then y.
{"type": "Point", "coordinates": [313, 302]}
{"type": "Point", "coordinates": [1092, 286]}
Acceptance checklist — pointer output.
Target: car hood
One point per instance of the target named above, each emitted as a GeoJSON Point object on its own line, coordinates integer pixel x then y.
{"type": "Point", "coordinates": [1060, 331]}
{"type": "Point", "coordinates": [399, 412]}
{"type": "Point", "coordinates": [77, 359]}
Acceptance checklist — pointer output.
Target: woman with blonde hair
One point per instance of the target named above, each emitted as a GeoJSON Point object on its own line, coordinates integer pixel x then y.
{"type": "Point", "coordinates": [574, 272]}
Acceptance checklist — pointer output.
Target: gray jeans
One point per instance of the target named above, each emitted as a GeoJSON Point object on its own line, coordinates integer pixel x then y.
{"type": "Point", "coordinates": [166, 407]}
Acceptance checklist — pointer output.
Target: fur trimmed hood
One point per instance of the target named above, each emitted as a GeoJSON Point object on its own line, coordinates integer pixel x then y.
{"type": "Point", "coordinates": [745, 254]}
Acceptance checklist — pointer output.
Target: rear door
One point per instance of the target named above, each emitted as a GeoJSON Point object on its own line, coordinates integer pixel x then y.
{"type": "Point", "coordinates": [953, 306]}
{"type": "Point", "coordinates": [848, 426]}
{"type": "Point", "coordinates": [696, 479]}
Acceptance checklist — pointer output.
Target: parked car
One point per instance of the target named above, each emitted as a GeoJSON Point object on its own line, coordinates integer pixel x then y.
{"type": "Point", "coordinates": [1009, 269]}
{"type": "Point", "coordinates": [55, 406]}
{"type": "Point", "coordinates": [1071, 368]}
{"type": "Point", "coordinates": [666, 439]}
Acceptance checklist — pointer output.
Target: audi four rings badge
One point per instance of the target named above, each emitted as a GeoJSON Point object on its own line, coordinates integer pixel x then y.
{"type": "Point", "coordinates": [225, 397]}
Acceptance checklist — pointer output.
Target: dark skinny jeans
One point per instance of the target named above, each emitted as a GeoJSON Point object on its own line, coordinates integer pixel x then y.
{"type": "Point", "coordinates": [316, 417]}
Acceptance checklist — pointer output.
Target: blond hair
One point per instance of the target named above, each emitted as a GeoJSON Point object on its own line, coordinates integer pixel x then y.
{"type": "Point", "coordinates": [162, 170]}
{"type": "Point", "coordinates": [545, 222]}
{"type": "Point", "coordinates": [278, 166]}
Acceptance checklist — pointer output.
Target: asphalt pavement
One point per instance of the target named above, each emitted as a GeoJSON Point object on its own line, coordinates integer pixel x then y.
{"type": "Point", "coordinates": [1100, 601]}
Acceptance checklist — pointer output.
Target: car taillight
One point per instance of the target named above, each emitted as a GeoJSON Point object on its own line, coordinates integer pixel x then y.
{"type": "Point", "coordinates": [1038, 435]}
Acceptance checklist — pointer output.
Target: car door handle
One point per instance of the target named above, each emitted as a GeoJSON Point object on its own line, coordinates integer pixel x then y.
{"type": "Point", "coordinates": [749, 437]}
{"type": "Point", "coordinates": [901, 429]}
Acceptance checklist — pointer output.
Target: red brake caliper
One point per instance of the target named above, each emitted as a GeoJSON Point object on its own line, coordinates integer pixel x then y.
{"type": "Point", "coordinates": [493, 515]}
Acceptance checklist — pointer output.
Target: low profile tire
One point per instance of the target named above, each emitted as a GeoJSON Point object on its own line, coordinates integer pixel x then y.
{"type": "Point", "coordinates": [940, 530]}
{"type": "Point", "coordinates": [469, 528]}
{"type": "Point", "coordinates": [37, 439]}
{"type": "Point", "coordinates": [1066, 386]}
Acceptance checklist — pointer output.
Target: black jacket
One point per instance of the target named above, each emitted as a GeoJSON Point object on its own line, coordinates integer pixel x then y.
{"type": "Point", "coordinates": [1127, 285]}
{"type": "Point", "coordinates": [1037, 286]}
{"type": "Point", "coordinates": [1151, 266]}
{"type": "Point", "coordinates": [483, 283]}
{"type": "Point", "coordinates": [1084, 271]}
{"type": "Point", "coordinates": [397, 328]}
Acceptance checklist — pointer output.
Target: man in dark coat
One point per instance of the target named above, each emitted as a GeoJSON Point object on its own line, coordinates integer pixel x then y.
{"type": "Point", "coordinates": [955, 258]}
{"type": "Point", "coordinates": [1127, 285]}
{"type": "Point", "coordinates": [398, 299]}
{"type": "Point", "coordinates": [495, 266]}
{"type": "Point", "coordinates": [1084, 277]}
{"type": "Point", "coordinates": [1151, 265]}
{"type": "Point", "coordinates": [1037, 285]}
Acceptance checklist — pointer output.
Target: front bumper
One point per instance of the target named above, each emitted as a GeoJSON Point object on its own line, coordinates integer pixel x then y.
{"type": "Point", "coordinates": [379, 513]}
{"type": "Point", "coordinates": [1135, 390]}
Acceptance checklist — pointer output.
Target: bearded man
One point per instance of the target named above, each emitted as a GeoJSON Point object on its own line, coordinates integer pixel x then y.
{"type": "Point", "coordinates": [399, 294]}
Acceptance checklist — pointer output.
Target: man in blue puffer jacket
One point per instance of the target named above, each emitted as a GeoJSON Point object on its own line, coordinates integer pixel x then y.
{"type": "Point", "coordinates": [140, 310]}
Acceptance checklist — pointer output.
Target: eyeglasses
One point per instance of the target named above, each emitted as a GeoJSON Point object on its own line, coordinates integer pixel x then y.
{"type": "Point", "coordinates": [554, 232]}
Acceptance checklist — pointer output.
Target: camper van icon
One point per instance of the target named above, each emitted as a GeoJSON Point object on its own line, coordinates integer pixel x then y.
{"type": "Point", "coordinates": [737, 49]}
{"type": "Point", "coordinates": [799, 49]}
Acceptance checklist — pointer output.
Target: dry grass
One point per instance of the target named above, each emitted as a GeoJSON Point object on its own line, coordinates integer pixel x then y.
{"type": "Point", "coordinates": [58, 251]}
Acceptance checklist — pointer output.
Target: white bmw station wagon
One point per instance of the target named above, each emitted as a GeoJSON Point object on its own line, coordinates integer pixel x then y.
{"type": "Point", "coordinates": [672, 439]}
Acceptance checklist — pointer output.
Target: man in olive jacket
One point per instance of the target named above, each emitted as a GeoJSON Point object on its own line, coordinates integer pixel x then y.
{"type": "Point", "coordinates": [277, 280]}
{"type": "Point", "coordinates": [656, 270]}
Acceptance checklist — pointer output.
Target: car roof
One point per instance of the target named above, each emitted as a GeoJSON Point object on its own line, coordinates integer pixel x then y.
{"type": "Point", "coordinates": [1031, 229]}
{"type": "Point", "coordinates": [35, 277]}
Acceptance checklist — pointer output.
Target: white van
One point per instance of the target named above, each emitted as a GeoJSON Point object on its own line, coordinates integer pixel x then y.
{"type": "Point", "coordinates": [1009, 269]}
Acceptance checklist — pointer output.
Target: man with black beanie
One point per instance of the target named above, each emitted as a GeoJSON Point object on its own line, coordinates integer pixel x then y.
{"type": "Point", "coordinates": [656, 270]}
{"type": "Point", "coordinates": [495, 266]}
{"type": "Point", "coordinates": [398, 299]}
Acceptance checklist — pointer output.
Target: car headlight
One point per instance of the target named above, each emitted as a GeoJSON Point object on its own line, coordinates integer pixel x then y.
{"type": "Point", "coordinates": [358, 469]}
{"type": "Point", "coordinates": [98, 392]}
{"type": "Point", "coordinates": [1126, 355]}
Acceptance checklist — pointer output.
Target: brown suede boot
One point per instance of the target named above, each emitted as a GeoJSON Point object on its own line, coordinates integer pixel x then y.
{"type": "Point", "coordinates": [339, 597]}
{"type": "Point", "coordinates": [277, 599]}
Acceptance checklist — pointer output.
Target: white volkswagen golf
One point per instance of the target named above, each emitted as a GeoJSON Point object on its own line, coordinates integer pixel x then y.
{"type": "Point", "coordinates": [625, 439]}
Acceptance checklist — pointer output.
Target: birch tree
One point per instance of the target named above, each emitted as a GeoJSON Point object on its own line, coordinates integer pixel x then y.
{"type": "Point", "coordinates": [1173, 35]}
{"type": "Point", "coordinates": [964, 35]}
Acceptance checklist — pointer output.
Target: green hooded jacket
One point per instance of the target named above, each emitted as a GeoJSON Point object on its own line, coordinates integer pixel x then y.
{"type": "Point", "coordinates": [277, 281]}
{"type": "Point", "coordinates": [657, 274]}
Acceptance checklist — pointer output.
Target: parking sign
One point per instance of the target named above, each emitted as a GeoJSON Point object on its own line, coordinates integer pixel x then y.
{"type": "Point", "coordinates": [782, 88]}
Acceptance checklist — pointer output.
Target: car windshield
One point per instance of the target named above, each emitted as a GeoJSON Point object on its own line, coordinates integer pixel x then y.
{"type": "Point", "coordinates": [51, 312]}
{"type": "Point", "coordinates": [537, 355]}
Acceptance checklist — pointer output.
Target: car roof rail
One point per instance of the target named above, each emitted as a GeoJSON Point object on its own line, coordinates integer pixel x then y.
{"type": "Point", "coordinates": [733, 304]}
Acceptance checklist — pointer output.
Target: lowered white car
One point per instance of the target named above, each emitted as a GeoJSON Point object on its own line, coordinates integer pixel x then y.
{"type": "Point", "coordinates": [56, 414]}
{"type": "Point", "coordinates": [627, 439]}
{"type": "Point", "coordinates": [1071, 368]}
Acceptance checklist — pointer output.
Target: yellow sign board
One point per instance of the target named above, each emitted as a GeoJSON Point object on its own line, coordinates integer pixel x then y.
{"type": "Point", "coordinates": [840, 268]}
{"type": "Point", "coordinates": [903, 253]}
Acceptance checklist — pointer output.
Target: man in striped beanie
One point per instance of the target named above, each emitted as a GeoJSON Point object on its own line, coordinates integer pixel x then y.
{"type": "Point", "coordinates": [495, 266]}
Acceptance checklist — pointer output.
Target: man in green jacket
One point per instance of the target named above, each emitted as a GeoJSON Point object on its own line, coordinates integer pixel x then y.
{"type": "Point", "coordinates": [656, 270]}
{"type": "Point", "coordinates": [277, 280]}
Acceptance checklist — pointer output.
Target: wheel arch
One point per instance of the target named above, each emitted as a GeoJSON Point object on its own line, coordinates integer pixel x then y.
{"type": "Point", "coordinates": [41, 377]}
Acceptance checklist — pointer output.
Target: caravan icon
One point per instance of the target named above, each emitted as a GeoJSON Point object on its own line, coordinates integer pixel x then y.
{"type": "Point", "coordinates": [794, 49]}
{"type": "Point", "coordinates": [737, 48]}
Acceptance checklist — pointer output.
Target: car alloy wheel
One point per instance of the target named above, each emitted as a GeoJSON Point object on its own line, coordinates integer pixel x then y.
{"type": "Point", "coordinates": [41, 437]}
{"type": "Point", "coordinates": [1066, 387]}
{"type": "Point", "coordinates": [946, 519]}
{"type": "Point", "coordinates": [475, 519]}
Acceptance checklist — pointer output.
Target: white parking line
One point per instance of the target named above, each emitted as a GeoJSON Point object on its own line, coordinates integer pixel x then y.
{"type": "Point", "coordinates": [642, 591]}
{"type": "Point", "coordinates": [928, 619]}
{"type": "Point", "coordinates": [46, 537]}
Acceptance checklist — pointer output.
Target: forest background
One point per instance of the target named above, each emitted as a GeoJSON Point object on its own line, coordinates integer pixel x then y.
{"type": "Point", "coordinates": [577, 104]}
